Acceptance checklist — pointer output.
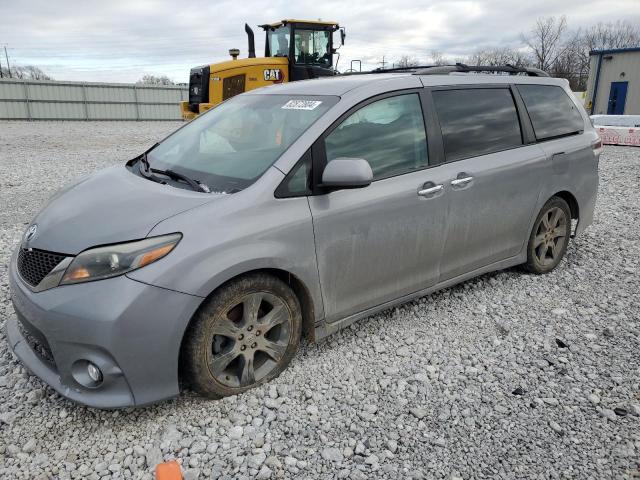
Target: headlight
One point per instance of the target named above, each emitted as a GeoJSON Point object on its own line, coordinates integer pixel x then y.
{"type": "Point", "coordinates": [114, 260]}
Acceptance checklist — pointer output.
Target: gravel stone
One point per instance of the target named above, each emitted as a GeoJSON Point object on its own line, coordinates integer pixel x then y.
{"type": "Point", "coordinates": [593, 398]}
{"type": "Point", "coordinates": [419, 413]}
{"type": "Point", "coordinates": [556, 427]}
{"type": "Point", "coordinates": [454, 357]}
{"type": "Point", "coordinates": [332, 454]}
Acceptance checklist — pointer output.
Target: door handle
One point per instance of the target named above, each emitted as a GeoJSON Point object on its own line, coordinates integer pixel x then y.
{"type": "Point", "coordinates": [461, 182]}
{"type": "Point", "coordinates": [425, 192]}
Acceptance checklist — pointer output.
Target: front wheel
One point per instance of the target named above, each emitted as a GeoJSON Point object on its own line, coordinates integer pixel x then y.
{"type": "Point", "coordinates": [550, 236]}
{"type": "Point", "coordinates": [244, 335]}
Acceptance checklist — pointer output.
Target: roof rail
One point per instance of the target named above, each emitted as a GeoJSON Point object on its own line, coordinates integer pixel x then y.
{"type": "Point", "coordinates": [462, 68]}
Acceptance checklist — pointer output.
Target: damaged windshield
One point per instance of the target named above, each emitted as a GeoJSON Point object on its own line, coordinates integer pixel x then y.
{"type": "Point", "coordinates": [231, 146]}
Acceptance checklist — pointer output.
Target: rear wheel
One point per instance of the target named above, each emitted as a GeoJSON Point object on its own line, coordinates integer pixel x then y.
{"type": "Point", "coordinates": [550, 236]}
{"type": "Point", "coordinates": [245, 334]}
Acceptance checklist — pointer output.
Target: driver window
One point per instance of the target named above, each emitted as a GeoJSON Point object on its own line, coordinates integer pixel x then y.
{"type": "Point", "coordinates": [389, 134]}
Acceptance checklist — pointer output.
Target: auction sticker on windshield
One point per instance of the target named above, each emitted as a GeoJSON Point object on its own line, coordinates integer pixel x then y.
{"type": "Point", "coordinates": [301, 104]}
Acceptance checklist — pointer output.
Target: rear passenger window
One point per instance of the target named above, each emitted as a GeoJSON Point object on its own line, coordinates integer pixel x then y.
{"type": "Point", "coordinates": [477, 121]}
{"type": "Point", "coordinates": [551, 111]}
{"type": "Point", "coordinates": [389, 134]}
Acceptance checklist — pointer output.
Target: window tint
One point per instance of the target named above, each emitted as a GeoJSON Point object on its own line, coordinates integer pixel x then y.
{"type": "Point", "coordinates": [552, 112]}
{"type": "Point", "coordinates": [477, 121]}
{"type": "Point", "coordinates": [389, 134]}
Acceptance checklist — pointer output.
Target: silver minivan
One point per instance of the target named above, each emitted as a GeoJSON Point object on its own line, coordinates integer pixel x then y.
{"type": "Point", "coordinates": [295, 210]}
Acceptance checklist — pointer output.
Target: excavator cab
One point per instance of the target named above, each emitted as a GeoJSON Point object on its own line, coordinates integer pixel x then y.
{"type": "Point", "coordinates": [294, 50]}
{"type": "Point", "coordinates": [307, 44]}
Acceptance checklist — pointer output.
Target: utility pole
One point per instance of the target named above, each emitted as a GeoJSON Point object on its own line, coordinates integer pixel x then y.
{"type": "Point", "coordinates": [9, 67]}
{"type": "Point", "coordinates": [383, 63]}
{"type": "Point", "coordinates": [1, 75]}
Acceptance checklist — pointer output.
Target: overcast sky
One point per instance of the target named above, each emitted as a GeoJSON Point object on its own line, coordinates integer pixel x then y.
{"type": "Point", "coordinates": [121, 40]}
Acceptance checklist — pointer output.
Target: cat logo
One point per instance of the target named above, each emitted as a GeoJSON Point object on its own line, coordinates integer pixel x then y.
{"type": "Point", "coordinates": [273, 75]}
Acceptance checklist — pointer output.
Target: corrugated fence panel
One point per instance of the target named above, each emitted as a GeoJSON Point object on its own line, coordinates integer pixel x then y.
{"type": "Point", "coordinates": [12, 90]}
{"type": "Point", "coordinates": [57, 93]}
{"type": "Point", "coordinates": [48, 100]}
{"type": "Point", "coordinates": [148, 112]}
{"type": "Point", "coordinates": [58, 111]}
{"type": "Point", "coordinates": [153, 95]}
{"type": "Point", "coordinates": [13, 110]}
{"type": "Point", "coordinates": [110, 94]}
{"type": "Point", "coordinates": [112, 111]}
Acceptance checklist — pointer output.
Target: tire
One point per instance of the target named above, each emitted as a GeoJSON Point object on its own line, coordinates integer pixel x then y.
{"type": "Point", "coordinates": [549, 237]}
{"type": "Point", "coordinates": [245, 334]}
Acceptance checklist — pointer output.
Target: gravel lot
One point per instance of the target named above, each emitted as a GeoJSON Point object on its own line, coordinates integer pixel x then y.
{"type": "Point", "coordinates": [505, 376]}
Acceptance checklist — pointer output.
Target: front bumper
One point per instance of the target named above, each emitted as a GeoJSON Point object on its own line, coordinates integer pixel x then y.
{"type": "Point", "coordinates": [132, 331]}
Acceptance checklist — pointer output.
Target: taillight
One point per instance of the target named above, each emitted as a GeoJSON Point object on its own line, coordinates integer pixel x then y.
{"type": "Point", "coordinates": [597, 146]}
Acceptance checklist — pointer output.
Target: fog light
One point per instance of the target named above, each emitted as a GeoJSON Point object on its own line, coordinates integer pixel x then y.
{"type": "Point", "coordinates": [94, 372]}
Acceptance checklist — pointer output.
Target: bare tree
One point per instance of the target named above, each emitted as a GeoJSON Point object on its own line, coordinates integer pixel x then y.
{"type": "Point", "coordinates": [155, 80]}
{"type": "Point", "coordinates": [499, 56]}
{"type": "Point", "coordinates": [406, 62]}
{"type": "Point", "coordinates": [26, 72]}
{"type": "Point", "coordinates": [618, 34]}
{"type": "Point", "coordinates": [438, 59]}
{"type": "Point", "coordinates": [547, 41]}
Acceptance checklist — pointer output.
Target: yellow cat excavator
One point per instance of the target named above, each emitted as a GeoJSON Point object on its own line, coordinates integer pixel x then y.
{"type": "Point", "coordinates": [294, 50]}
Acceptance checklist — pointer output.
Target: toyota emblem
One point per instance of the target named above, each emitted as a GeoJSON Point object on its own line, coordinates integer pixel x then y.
{"type": "Point", "coordinates": [30, 233]}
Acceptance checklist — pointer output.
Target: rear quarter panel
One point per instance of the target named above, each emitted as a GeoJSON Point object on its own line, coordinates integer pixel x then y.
{"type": "Point", "coordinates": [573, 167]}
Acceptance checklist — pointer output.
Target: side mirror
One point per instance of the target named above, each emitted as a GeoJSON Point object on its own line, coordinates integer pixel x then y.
{"type": "Point", "coordinates": [343, 34]}
{"type": "Point", "coordinates": [347, 173]}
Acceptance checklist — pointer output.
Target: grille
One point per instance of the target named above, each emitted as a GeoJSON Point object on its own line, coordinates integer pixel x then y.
{"type": "Point", "coordinates": [232, 86]}
{"type": "Point", "coordinates": [34, 265]}
{"type": "Point", "coordinates": [36, 341]}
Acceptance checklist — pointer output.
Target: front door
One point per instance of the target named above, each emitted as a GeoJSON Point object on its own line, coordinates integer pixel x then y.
{"type": "Point", "coordinates": [384, 241]}
{"type": "Point", "coordinates": [617, 98]}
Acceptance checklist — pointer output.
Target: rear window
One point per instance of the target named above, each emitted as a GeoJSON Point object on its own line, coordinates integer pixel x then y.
{"type": "Point", "coordinates": [477, 121]}
{"type": "Point", "coordinates": [551, 111]}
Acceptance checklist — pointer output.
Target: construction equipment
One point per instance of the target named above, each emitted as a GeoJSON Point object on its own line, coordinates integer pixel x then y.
{"type": "Point", "coordinates": [294, 50]}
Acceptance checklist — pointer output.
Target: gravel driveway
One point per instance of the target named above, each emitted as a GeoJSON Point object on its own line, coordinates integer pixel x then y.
{"type": "Point", "coordinates": [506, 376]}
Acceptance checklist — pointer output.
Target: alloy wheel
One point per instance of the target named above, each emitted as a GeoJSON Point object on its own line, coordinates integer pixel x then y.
{"type": "Point", "coordinates": [550, 236]}
{"type": "Point", "coordinates": [250, 340]}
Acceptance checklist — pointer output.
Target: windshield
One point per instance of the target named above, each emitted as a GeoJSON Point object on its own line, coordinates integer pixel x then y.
{"type": "Point", "coordinates": [232, 145]}
{"type": "Point", "coordinates": [312, 47]}
{"type": "Point", "coordinates": [279, 42]}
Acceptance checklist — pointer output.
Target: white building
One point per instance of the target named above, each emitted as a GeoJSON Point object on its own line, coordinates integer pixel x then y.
{"type": "Point", "coordinates": [613, 87]}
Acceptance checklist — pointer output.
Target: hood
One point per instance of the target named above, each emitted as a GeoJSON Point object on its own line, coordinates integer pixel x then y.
{"type": "Point", "coordinates": [111, 206]}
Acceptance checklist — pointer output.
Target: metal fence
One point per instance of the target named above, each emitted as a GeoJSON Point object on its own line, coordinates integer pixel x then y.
{"type": "Point", "coordinates": [50, 100]}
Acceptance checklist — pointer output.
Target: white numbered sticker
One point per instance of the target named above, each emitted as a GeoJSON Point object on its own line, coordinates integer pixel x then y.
{"type": "Point", "coordinates": [301, 104]}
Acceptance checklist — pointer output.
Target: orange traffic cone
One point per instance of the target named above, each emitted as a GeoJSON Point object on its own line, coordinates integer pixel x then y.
{"type": "Point", "coordinates": [168, 471]}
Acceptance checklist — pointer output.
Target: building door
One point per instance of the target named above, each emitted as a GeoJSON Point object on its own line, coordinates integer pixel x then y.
{"type": "Point", "coordinates": [617, 98]}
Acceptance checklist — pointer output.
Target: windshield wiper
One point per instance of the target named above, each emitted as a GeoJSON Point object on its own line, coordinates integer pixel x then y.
{"type": "Point", "coordinates": [198, 187]}
{"type": "Point", "coordinates": [144, 160]}
{"type": "Point", "coordinates": [148, 172]}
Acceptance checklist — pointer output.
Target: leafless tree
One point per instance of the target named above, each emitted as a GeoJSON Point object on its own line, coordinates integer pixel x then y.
{"type": "Point", "coordinates": [155, 80]}
{"type": "Point", "coordinates": [27, 72]}
{"type": "Point", "coordinates": [547, 41]}
{"type": "Point", "coordinates": [406, 62]}
{"type": "Point", "coordinates": [499, 56]}
{"type": "Point", "coordinates": [437, 58]}
{"type": "Point", "coordinates": [618, 34]}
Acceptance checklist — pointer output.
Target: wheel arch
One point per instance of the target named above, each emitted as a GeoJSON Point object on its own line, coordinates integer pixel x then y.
{"type": "Point", "coordinates": [571, 200]}
{"type": "Point", "coordinates": [300, 290]}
